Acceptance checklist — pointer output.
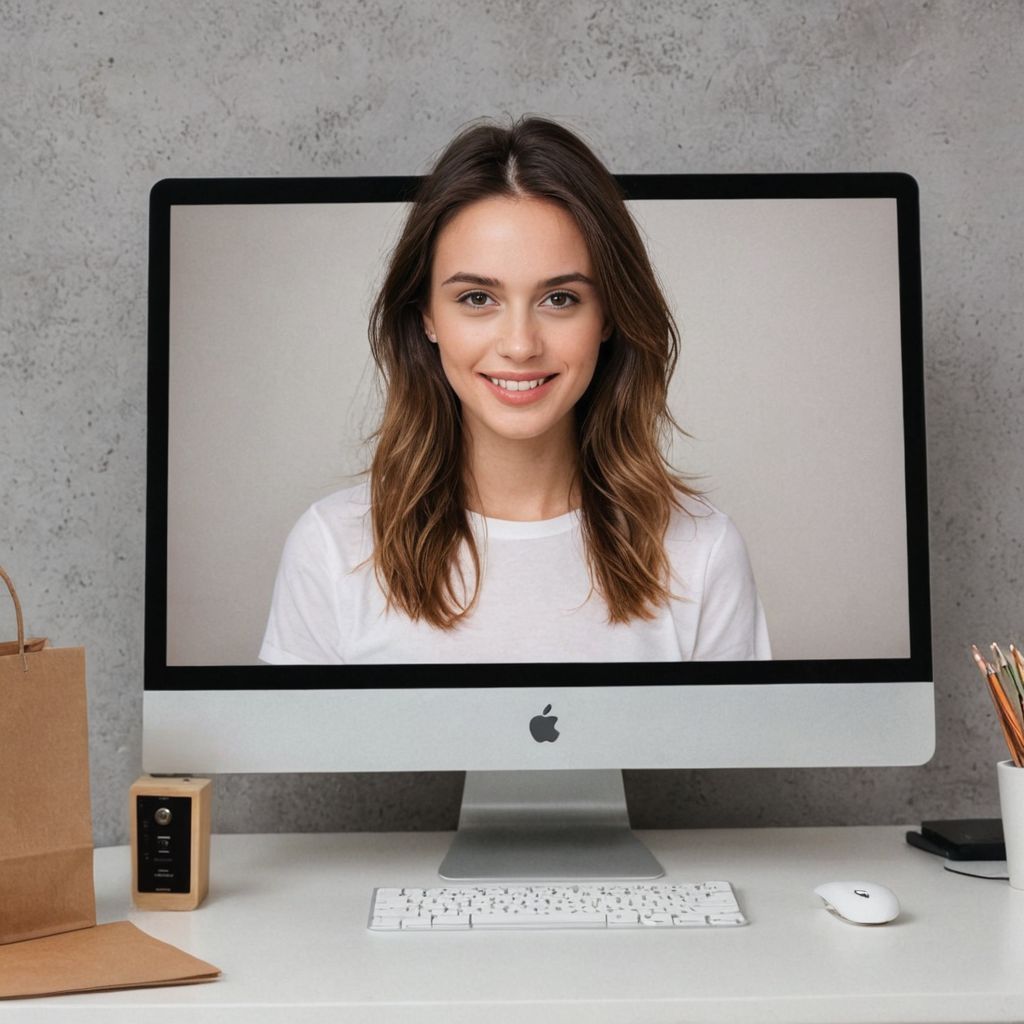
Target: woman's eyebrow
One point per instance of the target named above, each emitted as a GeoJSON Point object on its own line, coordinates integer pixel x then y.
{"type": "Point", "coordinates": [491, 282]}
{"type": "Point", "coordinates": [463, 278]}
{"type": "Point", "coordinates": [554, 282]}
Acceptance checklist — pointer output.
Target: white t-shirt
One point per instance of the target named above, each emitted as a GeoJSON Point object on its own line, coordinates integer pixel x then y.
{"type": "Point", "coordinates": [535, 604]}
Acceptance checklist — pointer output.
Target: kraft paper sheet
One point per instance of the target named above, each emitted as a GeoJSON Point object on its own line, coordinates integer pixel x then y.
{"type": "Point", "coordinates": [107, 956]}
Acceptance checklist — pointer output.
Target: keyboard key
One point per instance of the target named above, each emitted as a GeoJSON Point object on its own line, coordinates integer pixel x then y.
{"type": "Point", "coordinates": [623, 919]}
{"type": "Point", "coordinates": [690, 919]}
{"type": "Point", "coordinates": [579, 919]}
{"type": "Point", "coordinates": [726, 919]}
{"type": "Point", "coordinates": [659, 920]}
{"type": "Point", "coordinates": [450, 921]}
{"type": "Point", "coordinates": [417, 924]}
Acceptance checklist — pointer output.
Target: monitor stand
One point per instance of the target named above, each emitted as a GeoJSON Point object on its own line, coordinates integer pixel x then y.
{"type": "Point", "coordinates": [546, 825]}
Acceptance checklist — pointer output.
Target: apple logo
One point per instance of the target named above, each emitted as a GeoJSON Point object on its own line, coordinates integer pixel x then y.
{"type": "Point", "coordinates": [542, 727]}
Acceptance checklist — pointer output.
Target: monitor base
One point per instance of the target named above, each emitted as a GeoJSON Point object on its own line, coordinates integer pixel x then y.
{"type": "Point", "coordinates": [546, 825]}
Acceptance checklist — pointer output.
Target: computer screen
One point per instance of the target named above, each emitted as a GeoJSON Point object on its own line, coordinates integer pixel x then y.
{"type": "Point", "coordinates": [799, 391]}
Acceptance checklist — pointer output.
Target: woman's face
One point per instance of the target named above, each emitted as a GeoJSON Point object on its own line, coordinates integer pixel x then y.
{"type": "Point", "coordinates": [516, 315]}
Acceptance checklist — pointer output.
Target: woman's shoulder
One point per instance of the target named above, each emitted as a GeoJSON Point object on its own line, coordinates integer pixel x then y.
{"type": "Point", "coordinates": [699, 531]}
{"type": "Point", "coordinates": [346, 504]}
{"type": "Point", "coordinates": [338, 522]}
{"type": "Point", "coordinates": [695, 516]}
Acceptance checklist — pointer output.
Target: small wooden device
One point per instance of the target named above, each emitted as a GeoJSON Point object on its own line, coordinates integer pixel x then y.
{"type": "Point", "coordinates": [170, 827]}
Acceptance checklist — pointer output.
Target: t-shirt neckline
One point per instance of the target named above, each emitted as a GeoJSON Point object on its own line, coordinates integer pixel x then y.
{"type": "Point", "coordinates": [515, 529]}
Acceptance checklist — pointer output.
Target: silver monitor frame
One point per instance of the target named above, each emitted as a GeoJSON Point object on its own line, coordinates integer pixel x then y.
{"type": "Point", "coordinates": [825, 713]}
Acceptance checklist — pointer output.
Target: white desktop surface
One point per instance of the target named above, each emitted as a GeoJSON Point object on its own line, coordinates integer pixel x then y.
{"type": "Point", "coordinates": [286, 923]}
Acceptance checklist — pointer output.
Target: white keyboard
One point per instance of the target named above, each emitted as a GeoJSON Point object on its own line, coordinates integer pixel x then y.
{"type": "Point", "coordinates": [556, 905]}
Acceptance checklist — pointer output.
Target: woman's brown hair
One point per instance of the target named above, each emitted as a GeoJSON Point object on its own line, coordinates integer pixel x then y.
{"type": "Point", "coordinates": [417, 485]}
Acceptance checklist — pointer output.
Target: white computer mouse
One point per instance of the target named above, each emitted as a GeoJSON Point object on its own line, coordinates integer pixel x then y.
{"type": "Point", "coordinates": [860, 902]}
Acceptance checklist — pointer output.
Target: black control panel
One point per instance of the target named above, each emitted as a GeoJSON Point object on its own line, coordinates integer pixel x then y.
{"type": "Point", "coordinates": [164, 843]}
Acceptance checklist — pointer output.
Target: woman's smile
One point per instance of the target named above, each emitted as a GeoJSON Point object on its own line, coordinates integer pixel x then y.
{"type": "Point", "coordinates": [520, 390]}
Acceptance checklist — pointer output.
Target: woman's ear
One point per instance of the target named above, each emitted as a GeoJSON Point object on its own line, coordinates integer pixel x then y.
{"type": "Point", "coordinates": [428, 327]}
{"type": "Point", "coordinates": [607, 331]}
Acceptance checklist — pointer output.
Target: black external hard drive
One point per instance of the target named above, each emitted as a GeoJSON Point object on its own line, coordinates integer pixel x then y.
{"type": "Point", "coordinates": [961, 838]}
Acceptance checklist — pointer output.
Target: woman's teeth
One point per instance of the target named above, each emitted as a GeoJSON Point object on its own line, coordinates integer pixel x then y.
{"type": "Point", "coordinates": [518, 385]}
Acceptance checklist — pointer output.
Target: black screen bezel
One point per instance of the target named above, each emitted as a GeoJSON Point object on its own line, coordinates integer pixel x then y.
{"type": "Point", "coordinates": [226, 191]}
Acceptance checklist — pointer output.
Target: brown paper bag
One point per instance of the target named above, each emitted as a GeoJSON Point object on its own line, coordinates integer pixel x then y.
{"type": "Point", "coordinates": [46, 882]}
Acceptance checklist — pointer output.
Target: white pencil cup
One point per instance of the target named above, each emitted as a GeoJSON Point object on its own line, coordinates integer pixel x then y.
{"type": "Point", "coordinates": [1011, 804]}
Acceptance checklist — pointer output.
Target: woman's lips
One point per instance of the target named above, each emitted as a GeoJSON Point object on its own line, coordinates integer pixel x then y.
{"type": "Point", "coordinates": [519, 389]}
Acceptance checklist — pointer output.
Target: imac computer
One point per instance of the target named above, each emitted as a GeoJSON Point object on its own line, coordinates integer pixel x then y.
{"type": "Point", "coordinates": [799, 391]}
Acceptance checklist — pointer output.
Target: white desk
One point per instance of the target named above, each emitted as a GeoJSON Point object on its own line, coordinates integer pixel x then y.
{"type": "Point", "coordinates": [286, 922]}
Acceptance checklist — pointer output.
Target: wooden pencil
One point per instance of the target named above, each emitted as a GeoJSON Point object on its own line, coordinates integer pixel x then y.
{"type": "Point", "coordinates": [1016, 669]}
{"type": "Point", "coordinates": [979, 661]}
{"type": "Point", "coordinates": [1018, 662]}
{"type": "Point", "coordinates": [1012, 730]}
{"type": "Point", "coordinates": [1007, 671]}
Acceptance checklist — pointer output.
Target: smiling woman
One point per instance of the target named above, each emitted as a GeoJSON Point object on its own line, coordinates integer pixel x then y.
{"type": "Point", "coordinates": [519, 506]}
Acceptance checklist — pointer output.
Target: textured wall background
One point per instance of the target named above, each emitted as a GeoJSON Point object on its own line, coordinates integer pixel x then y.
{"type": "Point", "coordinates": [101, 99]}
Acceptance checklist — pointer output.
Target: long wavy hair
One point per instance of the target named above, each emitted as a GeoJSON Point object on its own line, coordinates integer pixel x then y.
{"type": "Point", "coordinates": [418, 487]}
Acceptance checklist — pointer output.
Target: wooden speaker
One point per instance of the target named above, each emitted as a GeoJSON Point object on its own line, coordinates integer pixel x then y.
{"type": "Point", "coordinates": [170, 830]}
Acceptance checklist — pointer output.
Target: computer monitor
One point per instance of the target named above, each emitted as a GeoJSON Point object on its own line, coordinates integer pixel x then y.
{"type": "Point", "coordinates": [799, 387]}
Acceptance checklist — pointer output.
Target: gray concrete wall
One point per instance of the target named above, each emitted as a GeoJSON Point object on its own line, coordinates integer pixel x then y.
{"type": "Point", "coordinates": [102, 98]}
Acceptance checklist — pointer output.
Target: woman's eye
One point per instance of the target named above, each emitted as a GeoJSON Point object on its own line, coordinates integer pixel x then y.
{"type": "Point", "coordinates": [475, 299]}
{"type": "Point", "coordinates": [562, 300]}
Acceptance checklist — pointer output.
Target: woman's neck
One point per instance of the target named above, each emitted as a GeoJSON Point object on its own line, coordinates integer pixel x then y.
{"type": "Point", "coordinates": [522, 480]}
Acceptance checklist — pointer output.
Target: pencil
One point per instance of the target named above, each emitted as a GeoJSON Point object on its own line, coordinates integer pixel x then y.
{"type": "Point", "coordinates": [1007, 671]}
{"type": "Point", "coordinates": [1012, 731]}
{"type": "Point", "coordinates": [1014, 666]}
{"type": "Point", "coordinates": [1007, 703]}
{"type": "Point", "coordinates": [1018, 661]}
{"type": "Point", "coordinates": [979, 661]}
{"type": "Point", "coordinates": [1008, 677]}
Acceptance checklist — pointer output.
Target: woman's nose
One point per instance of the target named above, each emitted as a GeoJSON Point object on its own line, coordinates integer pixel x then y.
{"type": "Point", "coordinates": [520, 338]}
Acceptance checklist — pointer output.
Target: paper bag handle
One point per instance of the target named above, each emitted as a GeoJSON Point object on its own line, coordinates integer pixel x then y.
{"type": "Point", "coordinates": [18, 616]}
